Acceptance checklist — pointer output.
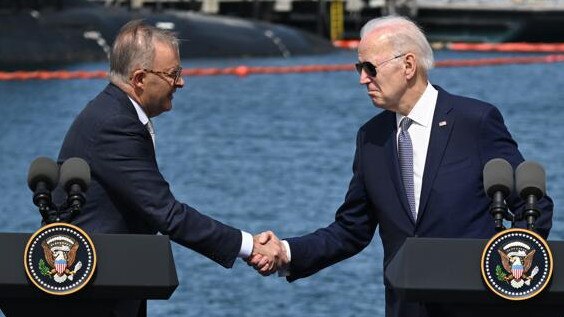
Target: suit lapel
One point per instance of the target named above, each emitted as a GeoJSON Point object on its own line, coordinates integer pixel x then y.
{"type": "Point", "coordinates": [443, 122]}
{"type": "Point", "coordinates": [126, 106]}
{"type": "Point", "coordinates": [393, 165]}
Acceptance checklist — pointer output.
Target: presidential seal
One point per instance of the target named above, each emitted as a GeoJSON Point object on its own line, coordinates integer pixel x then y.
{"type": "Point", "coordinates": [516, 264]}
{"type": "Point", "coordinates": [60, 259]}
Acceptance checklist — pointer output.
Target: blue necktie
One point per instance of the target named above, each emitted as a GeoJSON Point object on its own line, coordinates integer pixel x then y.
{"type": "Point", "coordinates": [405, 151]}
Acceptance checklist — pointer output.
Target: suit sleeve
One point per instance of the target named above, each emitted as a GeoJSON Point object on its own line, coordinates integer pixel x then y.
{"type": "Point", "coordinates": [350, 233]}
{"type": "Point", "coordinates": [496, 142]}
{"type": "Point", "coordinates": [126, 165]}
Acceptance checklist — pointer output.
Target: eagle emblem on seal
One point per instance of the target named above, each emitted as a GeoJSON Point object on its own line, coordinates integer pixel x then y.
{"type": "Point", "coordinates": [60, 254]}
{"type": "Point", "coordinates": [516, 265]}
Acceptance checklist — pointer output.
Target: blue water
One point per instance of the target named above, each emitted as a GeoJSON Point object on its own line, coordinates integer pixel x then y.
{"type": "Point", "coordinates": [271, 152]}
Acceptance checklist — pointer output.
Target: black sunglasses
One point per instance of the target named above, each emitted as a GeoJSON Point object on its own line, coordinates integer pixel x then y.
{"type": "Point", "coordinates": [370, 69]}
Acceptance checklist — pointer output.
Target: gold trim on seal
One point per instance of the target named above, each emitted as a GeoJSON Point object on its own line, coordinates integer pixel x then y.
{"type": "Point", "coordinates": [41, 230]}
{"type": "Point", "coordinates": [514, 230]}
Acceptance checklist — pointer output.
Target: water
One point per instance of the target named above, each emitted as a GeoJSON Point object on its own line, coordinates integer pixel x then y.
{"type": "Point", "coordinates": [271, 152]}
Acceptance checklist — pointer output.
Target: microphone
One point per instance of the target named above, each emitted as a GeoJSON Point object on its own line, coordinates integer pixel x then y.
{"type": "Point", "coordinates": [75, 178]}
{"type": "Point", "coordinates": [530, 180]}
{"type": "Point", "coordinates": [498, 184]}
{"type": "Point", "coordinates": [42, 178]}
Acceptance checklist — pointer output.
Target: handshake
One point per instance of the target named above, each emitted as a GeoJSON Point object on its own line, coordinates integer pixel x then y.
{"type": "Point", "coordinates": [269, 254]}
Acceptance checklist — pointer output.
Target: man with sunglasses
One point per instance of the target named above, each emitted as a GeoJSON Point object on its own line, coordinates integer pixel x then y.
{"type": "Point", "coordinates": [114, 134]}
{"type": "Point", "coordinates": [418, 165]}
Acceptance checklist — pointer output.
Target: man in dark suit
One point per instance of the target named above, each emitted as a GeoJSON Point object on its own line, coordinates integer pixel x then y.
{"type": "Point", "coordinates": [114, 135]}
{"type": "Point", "coordinates": [418, 165]}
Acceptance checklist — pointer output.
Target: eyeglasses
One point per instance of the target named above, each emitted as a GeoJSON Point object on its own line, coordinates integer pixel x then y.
{"type": "Point", "coordinates": [174, 75]}
{"type": "Point", "coordinates": [370, 69]}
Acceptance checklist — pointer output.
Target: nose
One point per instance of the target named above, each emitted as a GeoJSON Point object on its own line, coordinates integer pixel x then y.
{"type": "Point", "coordinates": [364, 78]}
{"type": "Point", "coordinates": [180, 82]}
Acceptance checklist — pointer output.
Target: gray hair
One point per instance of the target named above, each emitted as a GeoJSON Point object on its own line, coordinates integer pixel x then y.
{"type": "Point", "coordinates": [134, 48]}
{"type": "Point", "coordinates": [407, 36]}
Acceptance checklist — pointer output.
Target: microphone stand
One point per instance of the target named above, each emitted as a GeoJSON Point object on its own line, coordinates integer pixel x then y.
{"type": "Point", "coordinates": [498, 209]}
{"type": "Point", "coordinates": [531, 211]}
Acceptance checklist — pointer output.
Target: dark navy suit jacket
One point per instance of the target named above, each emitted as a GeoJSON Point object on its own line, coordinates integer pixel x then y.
{"type": "Point", "coordinates": [453, 202]}
{"type": "Point", "coordinates": [128, 194]}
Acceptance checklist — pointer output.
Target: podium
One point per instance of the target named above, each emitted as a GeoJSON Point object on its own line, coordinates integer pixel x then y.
{"type": "Point", "coordinates": [130, 268]}
{"type": "Point", "coordinates": [445, 275]}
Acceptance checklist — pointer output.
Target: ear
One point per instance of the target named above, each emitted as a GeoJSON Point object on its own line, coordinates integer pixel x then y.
{"type": "Point", "coordinates": [410, 66]}
{"type": "Point", "coordinates": [138, 79]}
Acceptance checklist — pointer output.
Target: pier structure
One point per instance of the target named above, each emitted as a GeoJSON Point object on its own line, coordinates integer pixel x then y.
{"type": "Point", "coordinates": [443, 20]}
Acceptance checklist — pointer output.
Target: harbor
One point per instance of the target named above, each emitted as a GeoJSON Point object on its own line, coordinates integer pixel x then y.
{"type": "Point", "coordinates": [443, 20]}
{"type": "Point", "coordinates": [262, 135]}
{"type": "Point", "coordinates": [271, 152]}
{"type": "Point", "coordinates": [50, 34]}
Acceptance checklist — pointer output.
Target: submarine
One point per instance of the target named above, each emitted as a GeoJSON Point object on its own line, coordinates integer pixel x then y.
{"type": "Point", "coordinates": [46, 34]}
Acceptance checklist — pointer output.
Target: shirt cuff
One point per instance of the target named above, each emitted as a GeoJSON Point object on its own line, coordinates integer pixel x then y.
{"type": "Point", "coordinates": [246, 245]}
{"type": "Point", "coordinates": [285, 270]}
{"type": "Point", "coordinates": [287, 247]}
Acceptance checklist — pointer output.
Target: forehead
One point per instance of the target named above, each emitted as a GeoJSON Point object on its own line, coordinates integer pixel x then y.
{"type": "Point", "coordinates": [166, 55]}
{"type": "Point", "coordinates": [374, 45]}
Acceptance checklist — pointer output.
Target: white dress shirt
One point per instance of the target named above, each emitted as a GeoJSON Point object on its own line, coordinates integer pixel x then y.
{"type": "Point", "coordinates": [420, 133]}
{"type": "Point", "coordinates": [247, 241]}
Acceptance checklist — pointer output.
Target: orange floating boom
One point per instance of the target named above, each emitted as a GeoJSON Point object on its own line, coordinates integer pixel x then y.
{"type": "Point", "coordinates": [243, 70]}
{"type": "Point", "coordinates": [480, 47]}
{"type": "Point", "coordinates": [507, 47]}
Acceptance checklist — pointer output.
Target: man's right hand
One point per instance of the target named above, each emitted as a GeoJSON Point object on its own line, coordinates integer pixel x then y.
{"type": "Point", "coordinates": [269, 253]}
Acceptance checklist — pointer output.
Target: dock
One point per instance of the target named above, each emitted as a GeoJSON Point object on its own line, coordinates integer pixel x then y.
{"type": "Point", "coordinates": [443, 20]}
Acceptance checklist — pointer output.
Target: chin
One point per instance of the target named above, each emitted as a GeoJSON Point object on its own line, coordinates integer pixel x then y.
{"type": "Point", "coordinates": [167, 107]}
{"type": "Point", "coordinates": [377, 104]}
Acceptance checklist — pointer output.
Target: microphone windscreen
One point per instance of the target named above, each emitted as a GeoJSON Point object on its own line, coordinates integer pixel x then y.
{"type": "Point", "coordinates": [530, 179]}
{"type": "Point", "coordinates": [75, 171]}
{"type": "Point", "coordinates": [498, 177]}
{"type": "Point", "coordinates": [43, 169]}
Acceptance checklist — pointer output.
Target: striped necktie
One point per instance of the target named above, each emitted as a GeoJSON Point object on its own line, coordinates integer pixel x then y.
{"type": "Point", "coordinates": [405, 152]}
{"type": "Point", "coordinates": [151, 129]}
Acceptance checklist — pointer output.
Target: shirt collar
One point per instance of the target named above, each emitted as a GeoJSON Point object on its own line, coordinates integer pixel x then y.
{"type": "Point", "coordinates": [140, 113]}
{"type": "Point", "coordinates": [422, 112]}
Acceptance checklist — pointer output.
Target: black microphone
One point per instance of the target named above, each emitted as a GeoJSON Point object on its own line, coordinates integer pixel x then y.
{"type": "Point", "coordinates": [530, 180]}
{"type": "Point", "coordinates": [75, 178]}
{"type": "Point", "coordinates": [498, 184]}
{"type": "Point", "coordinates": [42, 178]}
